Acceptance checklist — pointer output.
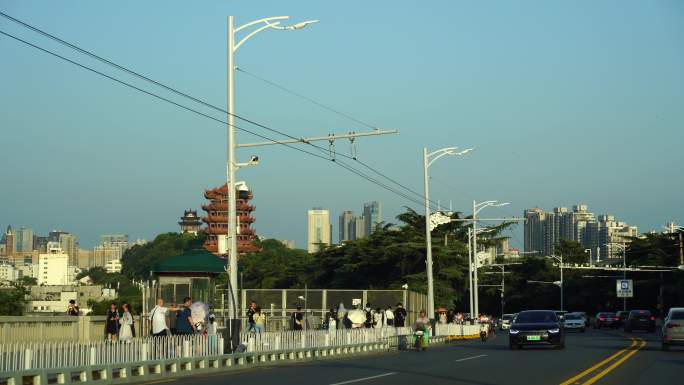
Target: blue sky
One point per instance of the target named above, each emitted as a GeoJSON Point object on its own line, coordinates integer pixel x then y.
{"type": "Point", "coordinates": [564, 102]}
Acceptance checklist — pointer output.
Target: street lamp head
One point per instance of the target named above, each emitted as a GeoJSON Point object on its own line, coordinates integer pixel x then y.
{"type": "Point", "coordinates": [680, 267]}
{"type": "Point", "coordinates": [501, 204]}
{"type": "Point", "coordinates": [302, 24]}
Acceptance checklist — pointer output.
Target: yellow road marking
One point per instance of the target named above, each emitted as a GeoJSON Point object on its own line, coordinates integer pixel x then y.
{"type": "Point", "coordinates": [598, 365]}
{"type": "Point", "coordinates": [615, 364]}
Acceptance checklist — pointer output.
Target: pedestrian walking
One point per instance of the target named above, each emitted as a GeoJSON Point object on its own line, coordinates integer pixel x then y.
{"type": "Point", "coordinates": [389, 316]}
{"type": "Point", "coordinates": [158, 319]}
{"type": "Point", "coordinates": [400, 315]}
{"type": "Point", "coordinates": [212, 332]}
{"type": "Point", "coordinates": [126, 321]}
{"type": "Point", "coordinates": [112, 322]}
{"type": "Point", "coordinates": [184, 323]}
{"type": "Point", "coordinates": [297, 319]}
{"type": "Point", "coordinates": [259, 320]}
{"type": "Point", "coordinates": [250, 316]}
{"type": "Point", "coordinates": [330, 322]}
{"type": "Point", "coordinates": [369, 316]}
{"type": "Point", "coordinates": [378, 319]}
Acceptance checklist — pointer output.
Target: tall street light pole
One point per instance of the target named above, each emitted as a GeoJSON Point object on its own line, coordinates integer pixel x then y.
{"type": "Point", "coordinates": [477, 207]}
{"type": "Point", "coordinates": [560, 261]}
{"type": "Point", "coordinates": [231, 165]}
{"type": "Point", "coordinates": [471, 265]}
{"type": "Point", "coordinates": [428, 159]}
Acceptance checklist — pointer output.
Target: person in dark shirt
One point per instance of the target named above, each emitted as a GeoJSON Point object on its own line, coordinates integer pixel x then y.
{"type": "Point", "coordinates": [250, 316]}
{"type": "Point", "coordinates": [298, 319]}
{"type": "Point", "coordinates": [184, 322]}
{"type": "Point", "coordinates": [399, 315]}
{"type": "Point", "coordinates": [112, 323]}
{"type": "Point", "coordinates": [72, 309]}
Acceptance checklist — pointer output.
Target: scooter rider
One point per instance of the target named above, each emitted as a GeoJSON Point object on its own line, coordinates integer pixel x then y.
{"type": "Point", "coordinates": [421, 329]}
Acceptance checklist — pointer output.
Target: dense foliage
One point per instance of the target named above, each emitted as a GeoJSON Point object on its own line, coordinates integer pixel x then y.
{"type": "Point", "coordinates": [13, 297]}
{"type": "Point", "coordinates": [128, 292]}
{"type": "Point", "coordinates": [139, 259]}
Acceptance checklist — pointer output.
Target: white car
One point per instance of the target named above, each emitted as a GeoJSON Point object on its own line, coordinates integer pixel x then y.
{"type": "Point", "coordinates": [506, 321]}
{"type": "Point", "coordinates": [673, 328]}
{"type": "Point", "coordinates": [575, 321]}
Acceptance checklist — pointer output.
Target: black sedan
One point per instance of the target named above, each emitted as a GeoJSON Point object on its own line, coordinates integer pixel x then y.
{"type": "Point", "coordinates": [640, 320]}
{"type": "Point", "coordinates": [606, 319]}
{"type": "Point", "coordinates": [536, 327]}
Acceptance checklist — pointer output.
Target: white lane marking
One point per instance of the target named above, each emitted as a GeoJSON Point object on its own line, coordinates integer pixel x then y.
{"type": "Point", "coordinates": [364, 379]}
{"type": "Point", "coordinates": [470, 358]}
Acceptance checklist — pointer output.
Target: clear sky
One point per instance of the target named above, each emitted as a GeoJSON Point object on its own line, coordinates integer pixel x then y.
{"type": "Point", "coordinates": [564, 102]}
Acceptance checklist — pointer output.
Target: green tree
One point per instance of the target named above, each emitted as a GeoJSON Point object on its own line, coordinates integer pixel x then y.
{"type": "Point", "coordinates": [13, 297]}
{"type": "Point", "coordinates": [572, 251]}
{"type": "Point", "coordinates": [140, 259]}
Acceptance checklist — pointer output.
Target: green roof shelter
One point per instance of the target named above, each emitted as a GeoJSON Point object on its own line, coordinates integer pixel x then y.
{"type": "Point", "coordinates": [191, 274]}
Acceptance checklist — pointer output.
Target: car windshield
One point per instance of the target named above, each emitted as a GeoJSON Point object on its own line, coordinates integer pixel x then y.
{"type": "Point", "coordinates": [605, 314]}
{"type": "Point", "coordinates": [508, 317]}
{"type": "Point", "coordinates": [572, 316]}
{"type": "Point", "coordinates": [536, 317]}
{"type": "Point", "coordinates": [678, 314]}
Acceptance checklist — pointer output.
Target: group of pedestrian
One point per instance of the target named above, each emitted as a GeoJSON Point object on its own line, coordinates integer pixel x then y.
{"type": "Point", "coordinates": [256, 319]}
{"type": "Point", "coordinates": [119, 323]}
{"type": "Point", "coordinates": [368, 317]}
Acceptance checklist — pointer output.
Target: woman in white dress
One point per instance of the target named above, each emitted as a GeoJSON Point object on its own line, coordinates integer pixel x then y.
{"type": "Point", "coordinates": [126, 331]}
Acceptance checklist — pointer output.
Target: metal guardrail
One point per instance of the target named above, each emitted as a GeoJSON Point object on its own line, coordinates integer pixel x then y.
{"type": "Point", "coordinates": [146, 359]}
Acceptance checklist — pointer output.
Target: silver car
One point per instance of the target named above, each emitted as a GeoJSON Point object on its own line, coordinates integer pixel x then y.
{"type": "Point", "coordinates": [574, 321]}
{"type": "Point", "coordinates": [673, 328]}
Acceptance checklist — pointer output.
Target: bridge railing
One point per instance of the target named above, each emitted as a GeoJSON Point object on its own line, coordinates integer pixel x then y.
{"type": "Point", "coordinates": [267, 341]}
{"type": "Point", "coordinates": [16, 356]}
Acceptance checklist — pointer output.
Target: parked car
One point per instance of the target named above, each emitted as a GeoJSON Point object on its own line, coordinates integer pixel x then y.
{"type": "Point", "coordinates": [574, 321]}
{"type": "Point", "coordinates": [605, 319]}
{"type": "Point", "coordinates": [506, 321]}
{"type": "Point", "coordinates": [536, 327]}
{"type": "Point", "coordinates": [622, 317]}
{"type": "Point", "coordinates": [673, 328]}
{"type": "Point", "coordinates": [640, 320]}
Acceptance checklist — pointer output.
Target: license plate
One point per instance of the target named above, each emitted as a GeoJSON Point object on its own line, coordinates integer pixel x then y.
{"type": "Point", "coordinates": [533, 338]}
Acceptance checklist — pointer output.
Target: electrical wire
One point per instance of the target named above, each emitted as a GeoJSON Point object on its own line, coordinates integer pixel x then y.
{"type": "Point", "coordinates": [209, 105]}
{"type": "Point", "coordinates": [343, 165]}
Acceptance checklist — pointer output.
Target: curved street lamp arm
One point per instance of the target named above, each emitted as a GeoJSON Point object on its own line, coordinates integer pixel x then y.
{"type": "Point", "coordinates": [264, 20]}
{"type": "Point", "coordinates": [445, 150]}
{"type": "Point", "coordinates": [244, 39]}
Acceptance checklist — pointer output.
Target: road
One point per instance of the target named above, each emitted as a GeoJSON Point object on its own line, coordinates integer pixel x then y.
{"type": "Point", "coordinates": [602, 357]}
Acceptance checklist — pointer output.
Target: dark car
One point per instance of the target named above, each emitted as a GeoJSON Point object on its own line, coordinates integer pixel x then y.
{"type": "Point", "coordinates": [536, 327]}
{"type": "Point", "coordinates": [606, 319]}
{"type": "Point", "coordinates": [640, 320]}
{"type": "Point", "coordinates": [622, 317]}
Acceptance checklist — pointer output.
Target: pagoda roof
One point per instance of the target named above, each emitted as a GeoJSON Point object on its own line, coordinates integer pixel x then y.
{"type": "Point", "coordinates": [193, 261]}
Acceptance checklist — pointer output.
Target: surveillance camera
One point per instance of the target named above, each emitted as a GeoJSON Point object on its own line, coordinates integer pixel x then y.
{"type": "Point", "coordinates": [254, 159]}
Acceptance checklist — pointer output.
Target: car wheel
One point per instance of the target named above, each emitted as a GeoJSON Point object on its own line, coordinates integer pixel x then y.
{"type": "Point", "coordinates": [628, 330]}
{"type": "Point", "coordinates": [665, 346]}
{"type": "Point", "coordinates": [513, 346]}
{"type": "Point", "coordinates": [651, 330]}
{"type": "Point", "coordinates": [582, 330]}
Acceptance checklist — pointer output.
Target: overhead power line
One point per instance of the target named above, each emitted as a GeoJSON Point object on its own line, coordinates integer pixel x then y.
{"type": "Point", "coordinates": [214, 107]}
{"type": "Point", "coordinates": [189, 109]}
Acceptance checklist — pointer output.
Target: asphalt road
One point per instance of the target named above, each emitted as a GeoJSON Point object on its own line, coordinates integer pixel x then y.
{"type": "Point", "coordinates": [603, 357]}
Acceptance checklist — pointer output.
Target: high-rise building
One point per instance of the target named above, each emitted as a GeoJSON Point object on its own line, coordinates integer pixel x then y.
{"type": "Point", "coordinates": [359, 227]}
{"type": "Point", "coordinates": [9, 241]}
{"type": "Point", "coordinates": [543, 230]}
{"type": "Point", "coordinates": [23, 240]}
{"type": "Point", "coordinates": [318, 229]}
{"type": "Point", "coordinates": [53, 266]}
{"type": "Point", "coordinates": [346, 230]}
{"type": "Point", "coordinates": [69, 246]}
{"type": "Point", "coordinates": [372, 213]}
{"type": "Point", "coordinates": [40, 243]}
{"type": "Point", "coordinates": [534, 230]}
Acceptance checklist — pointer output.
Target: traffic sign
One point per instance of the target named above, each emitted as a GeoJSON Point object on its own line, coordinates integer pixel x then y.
{"type": "Point", "coordinates": [624, 288]}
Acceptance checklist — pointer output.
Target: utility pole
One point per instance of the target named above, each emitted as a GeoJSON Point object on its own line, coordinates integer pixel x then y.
{"type": "Point", "coordinates": [232, 165]}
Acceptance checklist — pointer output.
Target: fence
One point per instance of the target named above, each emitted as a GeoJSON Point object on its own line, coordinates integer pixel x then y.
{"type": "Point", "coordinates": [263, 342]}
{"type": "Point", "coordinates": [54, 328]}
{"type": "Point", "coordinates": [458, 330]}
{"type": "Point", "coordinates": [47, 355]}
{"type": "Point", "coordinates": [282, 302]}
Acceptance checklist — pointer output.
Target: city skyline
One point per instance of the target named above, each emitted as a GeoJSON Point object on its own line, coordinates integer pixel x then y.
{"type": "Point", "coordinates": [522, 134]}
